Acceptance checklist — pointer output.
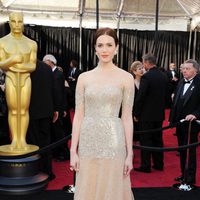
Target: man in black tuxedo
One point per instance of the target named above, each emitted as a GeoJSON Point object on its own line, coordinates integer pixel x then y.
{"type": "Point", "coordinates": [173, 77]}
{"type": "Point", "coordinates": [187, 106]}
{"type": "Point", "coordinates": [58, 97]}
{"type": "Point", "coordinates": [150, 112]}
{"type": "Point", "coordinates": [72, 78]}
{"type": "Point", "coordinates": [41, 113]}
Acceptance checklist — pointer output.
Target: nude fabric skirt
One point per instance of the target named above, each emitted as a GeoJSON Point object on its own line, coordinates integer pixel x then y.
{"type": "Point", "coordinates": [102, 179]}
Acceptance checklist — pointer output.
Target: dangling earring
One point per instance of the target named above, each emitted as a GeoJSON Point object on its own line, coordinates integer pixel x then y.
{"type": "Point", "coordinates": [115, 52]}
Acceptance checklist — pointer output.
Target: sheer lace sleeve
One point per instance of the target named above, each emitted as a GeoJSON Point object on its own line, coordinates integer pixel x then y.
{"type": "Point", "coordinates": [128, 96]}
{"type": "Point", "coordinates": [80, 95]}
{"type": "Point", "coordinates": [127, 104]}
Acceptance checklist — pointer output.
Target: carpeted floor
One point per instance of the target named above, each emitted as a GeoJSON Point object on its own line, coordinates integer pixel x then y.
{"type": "Point", "coordinates": [139, 193]}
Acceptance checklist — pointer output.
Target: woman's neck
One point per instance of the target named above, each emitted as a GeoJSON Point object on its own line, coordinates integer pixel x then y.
{"type": "Point", "coordinates": [106, 66]}
{"type": "Point", "coordinates": [137, 82]}
{"type": "Point", "coordinates": [138, 78]}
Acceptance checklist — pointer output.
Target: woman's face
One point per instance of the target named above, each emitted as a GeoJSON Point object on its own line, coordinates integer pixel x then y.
{"type": "Point", "coordinates": [105, 48]}
{"type": "Point", "coordinates": [139, 71]}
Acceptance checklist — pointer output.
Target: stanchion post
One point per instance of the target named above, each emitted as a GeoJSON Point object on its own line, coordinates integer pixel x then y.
{"type": "Point", "coordinates": [74, 178]}
{"type": "Point", "coordinates": [184, 186]}
{"type": "Point", "coordinates": [187, 150]}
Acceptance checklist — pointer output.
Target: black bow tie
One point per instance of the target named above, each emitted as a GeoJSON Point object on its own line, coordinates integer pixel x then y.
{"type": "Point", "coordinates": [187, 82]}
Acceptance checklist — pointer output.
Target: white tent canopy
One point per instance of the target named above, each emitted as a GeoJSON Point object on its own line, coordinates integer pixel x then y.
{"type": "Point", "coordinates": [131, 14]}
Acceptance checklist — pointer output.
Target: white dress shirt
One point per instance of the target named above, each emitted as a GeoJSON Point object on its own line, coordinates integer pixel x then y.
{"type": "Point", "coordinates": [187, 85]}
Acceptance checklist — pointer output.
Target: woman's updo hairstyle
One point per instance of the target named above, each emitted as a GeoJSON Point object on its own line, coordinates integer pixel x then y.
{"type": "Point", "coordinates": [106, 31]}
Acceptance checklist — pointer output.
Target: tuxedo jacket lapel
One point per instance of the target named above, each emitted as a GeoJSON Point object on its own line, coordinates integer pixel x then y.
{"type": "Point", "coordinates": [178, 94]}
{"type": "Point", "coordinates": [189, 93]}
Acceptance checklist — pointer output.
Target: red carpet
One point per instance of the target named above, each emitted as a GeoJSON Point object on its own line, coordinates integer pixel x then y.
{"type": "Point", "coordinates": [154, 179]}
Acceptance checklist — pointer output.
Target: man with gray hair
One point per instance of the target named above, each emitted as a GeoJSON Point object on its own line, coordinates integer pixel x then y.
{"type": "Point", "coordinates": [186, 106]}
{"type": "Point", "coordinates": [58, 101]}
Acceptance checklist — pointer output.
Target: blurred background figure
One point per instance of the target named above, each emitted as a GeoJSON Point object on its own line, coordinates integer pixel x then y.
{"type": "Point", "coordinates": [67, 124]}
{"type": "Point", "coordinates": [73, 75]}
{"type": "Point", "coordinates": [150, 112]}
{"type": "Point", "coordinates": [137, 70]}
{"type": "Point", "coordinates": [173, 78]}
{"type": "Point", "coordinates": [59, 153]}
{"type": "Point", "coordinates": [181, 70]}
{"type": "Point", "coordinates": [41, 113]}
{"type": "Point", "coordinates": [4, 128]}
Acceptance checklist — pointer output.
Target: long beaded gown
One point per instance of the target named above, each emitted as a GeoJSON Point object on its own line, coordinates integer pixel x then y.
{"type": "Point", "coordinates": [102, 148]}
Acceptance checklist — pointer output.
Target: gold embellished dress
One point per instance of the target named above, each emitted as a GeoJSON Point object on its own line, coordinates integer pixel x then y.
{"type": "Point", "coordinates": [102, 148]}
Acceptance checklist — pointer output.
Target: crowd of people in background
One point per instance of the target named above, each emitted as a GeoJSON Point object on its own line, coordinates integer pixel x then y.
{"type": "Point", "coordinates": [167, 89]}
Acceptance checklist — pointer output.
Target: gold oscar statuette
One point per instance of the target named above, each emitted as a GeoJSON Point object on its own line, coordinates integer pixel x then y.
{"type": "Point", "coordinates": [18, 56]}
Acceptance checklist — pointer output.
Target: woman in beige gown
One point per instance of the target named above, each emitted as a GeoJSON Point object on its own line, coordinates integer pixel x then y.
{"type": "Point", "coordinates": [101, 149]}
